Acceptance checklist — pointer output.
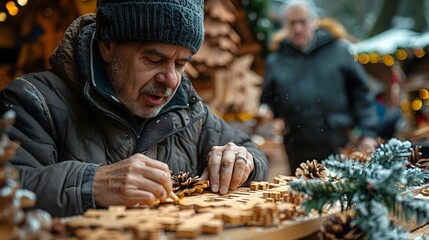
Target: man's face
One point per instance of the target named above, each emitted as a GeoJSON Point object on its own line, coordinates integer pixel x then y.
{"type": "Point", "coordinates": [300, 26]}
{"type": "Point", "coordinates": [145, 76]}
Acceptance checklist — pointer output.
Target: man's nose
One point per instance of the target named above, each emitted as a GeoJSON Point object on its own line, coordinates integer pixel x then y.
{"type": "Point", "coordinates": [168, 75]}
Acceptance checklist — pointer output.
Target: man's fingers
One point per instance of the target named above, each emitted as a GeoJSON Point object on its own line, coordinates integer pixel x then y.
{"type": "Point", "coordinates": [229, 167]}
{"type": "Point", "coordinates": [248, 169]}
{"type": "Point", "coordinates": [238, 172]}
{"type": "Point", "coordinates": [139, 196]}
{"type": "Point", "coordinates": [206, 175]}
{"type": "Point", "coordinates": [226, 170]}
{"type": "Point", "coordinates": [214, 161]}
{"type": "Point", "coordinates": [153, 169]}
{"type": "Point", "coordinates": [153, 163]}
{"type": "Point", "coordinates": [158, 176]}
{"type": "Point", "coordinates": [137, 179]}
{"type": "Point", "coordinates": [158, 190]}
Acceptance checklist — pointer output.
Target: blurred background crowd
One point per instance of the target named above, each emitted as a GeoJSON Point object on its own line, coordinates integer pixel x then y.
{"type": "Point", "coordinates": [389, 38]}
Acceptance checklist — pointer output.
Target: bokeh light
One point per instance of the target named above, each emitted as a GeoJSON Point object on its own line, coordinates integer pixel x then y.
{"type": "Point", "coordinates": [22, 2]}
{"type": "Point", "coordinates": [3, 16]}
{"type": "Point", "coordinates": [419, 52]}
{"type": "Point", "coordinates": [416, 104]}
{"type": "Point", "coordinates": [374, 57]}
{"type": "Point", "coordinates": [388, 60]}
{"type": "Point", "coordinates": [423, 93]}
{"type": "Point", "coordinates": [405, 105]}
{"type": "Point", "coordinates": [363, 58]}
{"type": "Point", "coordinates": [12, 8]}
{"type": "Point", "coordinates": [13, 11]}
{"type": "Point", "coordinates": [10, 5]}
{"type": "Point", "coordinates": [401, 54]}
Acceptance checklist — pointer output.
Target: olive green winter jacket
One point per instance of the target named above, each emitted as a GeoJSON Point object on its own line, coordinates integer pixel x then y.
{"type": "Point", "coordinates": [69, 122]}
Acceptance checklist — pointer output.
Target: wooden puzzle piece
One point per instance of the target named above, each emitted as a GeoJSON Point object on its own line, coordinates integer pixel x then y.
{"type": "Point", "coordinates": [116, 221]}
{"type": "Point", "coordinates": [199, 223]}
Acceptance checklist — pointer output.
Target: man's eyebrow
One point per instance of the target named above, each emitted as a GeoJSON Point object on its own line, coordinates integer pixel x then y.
{"type": "Point", "coordinates": [155, 51]}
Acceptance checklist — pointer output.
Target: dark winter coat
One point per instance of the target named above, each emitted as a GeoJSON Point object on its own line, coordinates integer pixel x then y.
{"type": "Point", "coordinates": [69, 123]}
{"type": "Point", "coordinates": [321, 93]}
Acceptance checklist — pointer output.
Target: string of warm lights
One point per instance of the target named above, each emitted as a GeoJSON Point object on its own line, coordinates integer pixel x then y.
{"type": "Point", "coordinates": [417, 99]}
{"type": "Point", "coordinates": [12, 9]}
{"type": "Point", "coordinates": [389, 59]}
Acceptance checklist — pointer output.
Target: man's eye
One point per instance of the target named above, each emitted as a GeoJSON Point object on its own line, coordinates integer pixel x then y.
{"type": "Point", "coordinates": [180, 65]}
{"type": "Point", "coordinates": [155, 60]}
{"type": "Point", "coordinates": [152, 60]}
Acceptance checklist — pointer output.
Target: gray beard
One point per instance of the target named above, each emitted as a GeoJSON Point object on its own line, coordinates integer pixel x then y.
{"type": "Point", "coordinates": [114, 69]}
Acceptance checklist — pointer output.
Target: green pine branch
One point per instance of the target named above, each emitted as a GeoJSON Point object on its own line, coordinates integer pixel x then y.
{"type": "Point", "coordinates": [415, 177]}
{"type": "Point", "coordinates": [392, 152]}
{"type": "Point", "coordinates": [372, 218]}
{"type": "Point", "coordinates": [342, 167]}
{"type": "Point", "coordinates": [406, 208]}
{"type": "Point", "coordinates": [374, 189]}
{"type": "Point", "coordinates": [323, 193]}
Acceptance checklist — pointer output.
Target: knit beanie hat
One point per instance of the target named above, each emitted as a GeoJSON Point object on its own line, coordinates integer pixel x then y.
{"type": "Point", "coordinates": [179, 22]}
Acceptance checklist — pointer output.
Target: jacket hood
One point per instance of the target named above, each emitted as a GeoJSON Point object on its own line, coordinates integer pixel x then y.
{"type": "Point", "coordinates": [63, 59]}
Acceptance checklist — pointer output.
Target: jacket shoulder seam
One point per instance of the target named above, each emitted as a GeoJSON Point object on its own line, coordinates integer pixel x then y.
{"type": "Point", "coordinates": [43, 104]}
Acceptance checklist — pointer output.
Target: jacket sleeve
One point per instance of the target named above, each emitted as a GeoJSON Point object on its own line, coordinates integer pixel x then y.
{"type": "Point", "coordinates": [56, 182]}
{"type": "Point", "coordinates": [216, 132]}
{"type": "Point", "coordinates": [361, 98]}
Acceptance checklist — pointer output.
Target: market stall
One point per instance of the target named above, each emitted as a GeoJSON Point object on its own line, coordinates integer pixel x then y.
{"type": "Point", "coordinates": [398, 58]}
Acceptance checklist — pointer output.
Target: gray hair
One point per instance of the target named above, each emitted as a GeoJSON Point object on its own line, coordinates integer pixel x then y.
{"type": "Point", "coordinates": [308, 4]}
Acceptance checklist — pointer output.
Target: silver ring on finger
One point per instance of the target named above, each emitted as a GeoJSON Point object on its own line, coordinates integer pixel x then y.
{"type": "Point", "coordinates": [241, 156]}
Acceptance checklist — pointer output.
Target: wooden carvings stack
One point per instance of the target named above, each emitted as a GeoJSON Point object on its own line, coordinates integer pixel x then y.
{"type": "Point", "coordinates": [16, 221]}
{"type": "Point", "coordinates": [221, 71]}
{"type": "Point", "coordinates": [264, 205]}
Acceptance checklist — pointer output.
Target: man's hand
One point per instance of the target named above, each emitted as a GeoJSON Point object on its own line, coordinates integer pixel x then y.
{"type": "Point", "coordinates": [367, 144]}
{"type": "Point", "coordinates": [229, 167]}
{"type": "Point", "coordinates": [137, 179]}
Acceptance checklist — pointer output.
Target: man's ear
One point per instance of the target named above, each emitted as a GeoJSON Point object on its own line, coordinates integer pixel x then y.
{"type": "Point", "coordinates": [106, 50]}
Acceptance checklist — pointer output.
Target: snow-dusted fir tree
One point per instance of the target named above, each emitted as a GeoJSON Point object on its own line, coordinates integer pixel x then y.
{"type": "Point", "coordinates": [375, 190]}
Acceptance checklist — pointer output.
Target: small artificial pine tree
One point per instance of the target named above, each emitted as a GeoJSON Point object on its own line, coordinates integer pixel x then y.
{"type": "Point", "coordinates": [374, 190]}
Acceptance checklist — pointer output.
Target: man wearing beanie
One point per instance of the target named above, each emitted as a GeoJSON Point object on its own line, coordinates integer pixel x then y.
{"type": "Point", "coordinates": [116, 113]}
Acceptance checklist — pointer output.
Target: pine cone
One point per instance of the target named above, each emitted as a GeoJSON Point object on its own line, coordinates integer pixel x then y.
{"type": "Point", "coordinates": [339, 227]}
{"type": "Point", "coordinates": [183, 185]}
{"type": "Point", "coordinates": [415, 160]}
{"type": "Point", "coordinates": [311, 170]}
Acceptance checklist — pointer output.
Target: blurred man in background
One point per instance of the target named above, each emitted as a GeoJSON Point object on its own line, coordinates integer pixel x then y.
{"type": "Point", "coordinates": [314, 84]}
